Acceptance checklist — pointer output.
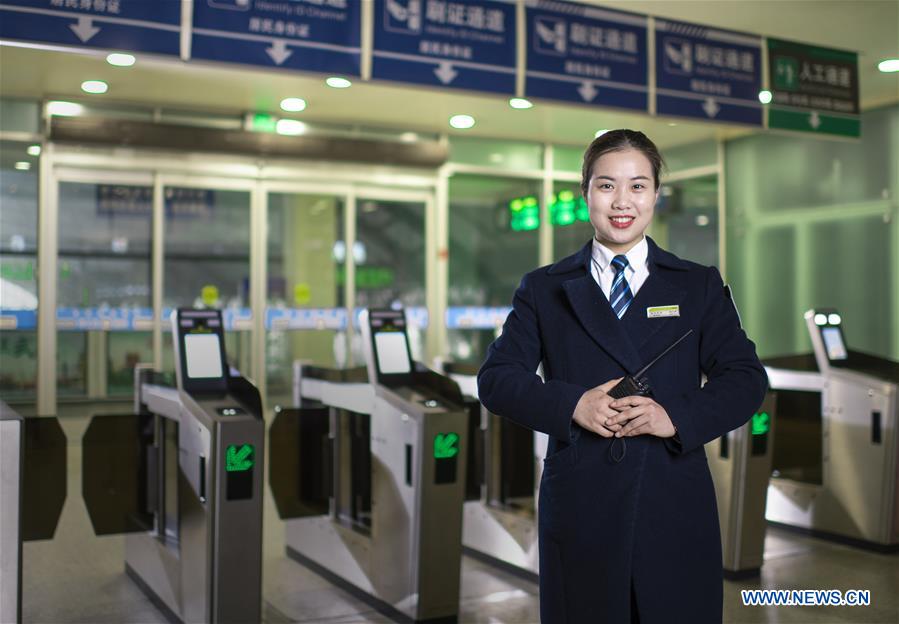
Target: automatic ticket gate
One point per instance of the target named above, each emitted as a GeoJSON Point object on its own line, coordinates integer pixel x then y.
{"type": "Point", "coordinates": [740, 463]}
{"type": "Point", "coordinates": [836, 459]}
{"type": "Point", "coordinates": [32, 495]}
{"type": "Point", "coordinates": [12, 434]}
{"type": "Point", "coordinates": [369, 472]}
{"type": "Point", "coordinates": [183, 480]}
{"type": "Point", "coordinates": [500, 522]}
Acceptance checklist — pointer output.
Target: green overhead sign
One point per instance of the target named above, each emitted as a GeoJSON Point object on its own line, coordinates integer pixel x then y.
{"type": "Point", "coordinates": [814, 89]}
{"type": "Point", "coordinates": [525, 214]}
{"type": "Point", "coordinates": [564, 209]}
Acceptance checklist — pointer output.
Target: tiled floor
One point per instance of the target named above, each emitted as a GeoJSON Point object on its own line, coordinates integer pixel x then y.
{"type": "Point", "coordinates": [77, 577]}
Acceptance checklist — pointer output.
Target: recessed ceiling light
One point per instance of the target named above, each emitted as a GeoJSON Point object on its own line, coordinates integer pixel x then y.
{"type": "Point", "coordinates": [599, 133]}
{"type": "Point", "coordinates": [23, 165]}
{"type": "Point", "coordinates": [408, 137]}
{"type": "Point", "coordinates": [94, 86]}
{"type": "Point", "coordinates": [119, 59]}
{"type": "Point", "coordinates": [338, 83]}
{"type": "Point", "coordinates": [293, 104]}
{"type": "Point", "coordinates": [889, 65]}
{"type": "Point", "coordinates": [520, 103]}
{"type": "Point", "coordinates": [672, 124]}
{"type": "Point", "coordinates": [461, 122]}
{"type": "Point", "coordinates": [34, 150]}
{"type": "Point", "coordinates": [765, 97]}
{"type": "Point", "coordinates": [290, 127]}
{"type": "Point", "coordinates": [64, 109]}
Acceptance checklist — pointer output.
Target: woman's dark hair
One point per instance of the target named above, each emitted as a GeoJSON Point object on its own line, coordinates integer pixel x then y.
{"type": "Point", "coordinates": [617, 140]}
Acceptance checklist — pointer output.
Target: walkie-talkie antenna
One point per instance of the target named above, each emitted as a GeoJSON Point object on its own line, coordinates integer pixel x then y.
{"type": "Point", "coordinates": [640, 372]}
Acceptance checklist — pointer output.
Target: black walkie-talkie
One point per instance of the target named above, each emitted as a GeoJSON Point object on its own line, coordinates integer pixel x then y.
{"type": "Point", "coordinates": [636, 385]}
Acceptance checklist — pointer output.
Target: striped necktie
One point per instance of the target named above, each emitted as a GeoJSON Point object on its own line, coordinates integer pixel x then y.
{"type": "Point", "coordinates": [620, 296]}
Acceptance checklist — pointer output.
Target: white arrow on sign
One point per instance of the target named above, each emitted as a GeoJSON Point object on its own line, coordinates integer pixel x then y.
{"type": "Point", "coordinates": [710, 106]}
{"type": "Point", "coordinates": [84, 29]}
{"type": "Point", "coordinates": [279, 52]}
{"type": "Point", "coordinates": [587, 91]}
{"type": "Point", "coordinates": [445, 72]}
{"type": "Point", "coordinates": [814, 120]}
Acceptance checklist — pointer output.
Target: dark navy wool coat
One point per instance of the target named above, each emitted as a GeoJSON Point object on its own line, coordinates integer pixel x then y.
{"type": "Point", "coordinates": [637, 540]}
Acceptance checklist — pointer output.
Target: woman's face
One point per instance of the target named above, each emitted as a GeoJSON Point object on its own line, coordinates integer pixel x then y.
{"type": "Point", "coordinates": [621, 197]}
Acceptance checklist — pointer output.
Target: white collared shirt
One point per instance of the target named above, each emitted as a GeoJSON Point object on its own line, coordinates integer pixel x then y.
{"type": "Point", "coordinates": [636, 271]}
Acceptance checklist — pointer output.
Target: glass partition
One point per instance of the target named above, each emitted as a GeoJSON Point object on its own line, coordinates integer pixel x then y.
{"type": "Point", "coordinates": [207, 262]}
{"type": "Point", "coordinates": [570, 219]}
{"type": "Point", "coordinates": [822, 216]}
{"type": "Point", "coordinates": [124, 351]}
{"type": "Point", "coordinates": [496, 153]}
{"type": "Point", "coordinates": [305, 308]}
{"type": "Point", "coordinates": [104, 276]}
{"type": "Point", "coordinates": [18, 269]}
{"type": "Point", "coordinates": [691, 155]}
{"type": "Point", "coordinates": [862, 245]}
{"type": "Point", "coordinates": [686, 219]}
{"type": "Point", "coordinates": [390, 263]}
{"type": "Point", "coordinates": [569, 158]}
{"type": "Point", "coordinates": [493, 232]}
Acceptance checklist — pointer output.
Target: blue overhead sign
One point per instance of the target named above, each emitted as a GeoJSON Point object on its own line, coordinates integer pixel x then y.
{"type": "Point", "coordinates": [585, 54]}
{"type": "Point", "coordinates": [707, 73]}
{"type": "Point", "coordinates": [308, 35]}
{"type": "Point", "coordinates": [465, 44]}
{"type": "Point", "coordinates": [132, 25]}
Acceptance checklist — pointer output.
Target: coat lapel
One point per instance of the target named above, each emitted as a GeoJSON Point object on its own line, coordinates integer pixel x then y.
{"type": "Point", "coordinates": [657, 290]}
{"type": "Point", "coordinates": [621, 339]}
{"type": "Point", "coordinates": [595, 314]}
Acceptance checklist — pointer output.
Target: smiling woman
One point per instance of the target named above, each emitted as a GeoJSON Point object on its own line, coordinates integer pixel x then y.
{"type": "Point", "coordinates": [582, 318]}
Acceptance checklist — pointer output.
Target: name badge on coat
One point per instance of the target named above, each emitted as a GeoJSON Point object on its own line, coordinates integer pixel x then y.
{"type": "Point", "coordinates": [663, 311]}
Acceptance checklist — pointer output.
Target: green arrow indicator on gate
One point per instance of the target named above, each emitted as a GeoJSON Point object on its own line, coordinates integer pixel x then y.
{"type": "Point", "coordinates": [239, 460]}
{"type": "Point", "coordinates": [761, 423]}
{"type": "Point", "coordinates": [446, 445]}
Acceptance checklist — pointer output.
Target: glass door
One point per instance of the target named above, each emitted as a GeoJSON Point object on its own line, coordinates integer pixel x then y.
{"type": "Point", "coordinates": [493, 242]}
{"type": "Point", "coordinates": [104, 282]}
{"type": "Point", "coordinates": [207, 261]}
{"type": "Point", "coordinates": [316, 237]}
{"type": "Point", "coordinates": [18, 270]}
{"type": "Point", "coordinates": [305, 315]}
{"type": "Point", "coordinates": [686, 219]}
{"type": "Point", "coordinates": [389, 259]}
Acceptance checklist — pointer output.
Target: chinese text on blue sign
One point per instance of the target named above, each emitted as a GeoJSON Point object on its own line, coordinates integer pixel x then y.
{"type": "Point", "coordinates": [466, 44]}
{"type": "Point", "coordinates": [585, 54]}
{"type": "Point", "coordinates": [131, 25]}
{"type": "Point", "coordinates": [310, 35]}
{"type": "Point", "coordinates": [707, 73]}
